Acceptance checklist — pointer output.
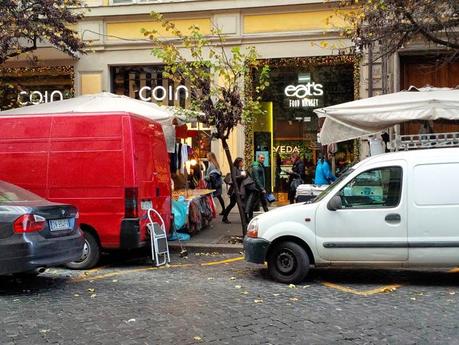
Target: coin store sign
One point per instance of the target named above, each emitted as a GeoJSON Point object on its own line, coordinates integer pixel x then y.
{"type": "Point", "coordinates": [304, 95]}
{"type": "Point", "coordinates": [37, 97]}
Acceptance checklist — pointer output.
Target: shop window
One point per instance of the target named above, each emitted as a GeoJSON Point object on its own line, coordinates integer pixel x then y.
{"type": "Point", "coordinates": [294, 92]}
{"type": "Point", "coordinates": [147, 83]}
{"type": "Point", "coordinates": [33, 85]}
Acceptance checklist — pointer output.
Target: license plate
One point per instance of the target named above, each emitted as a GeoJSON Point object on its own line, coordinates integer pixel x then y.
{"type": "Point", "coordinates": [59, 224]}
{"type": "Point", "coordinates": [146, 204]}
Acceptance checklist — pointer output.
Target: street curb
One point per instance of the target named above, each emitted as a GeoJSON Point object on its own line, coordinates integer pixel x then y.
{"type": "Point", "coordinates": [205, 247]}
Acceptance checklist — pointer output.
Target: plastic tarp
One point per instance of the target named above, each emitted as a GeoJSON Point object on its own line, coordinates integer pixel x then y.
{"type": "Point", "coordinates": [371, 115]}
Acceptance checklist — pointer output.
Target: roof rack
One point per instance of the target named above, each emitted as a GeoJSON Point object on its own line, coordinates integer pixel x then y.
{"type": "Point", "coordinates": [426, 141]}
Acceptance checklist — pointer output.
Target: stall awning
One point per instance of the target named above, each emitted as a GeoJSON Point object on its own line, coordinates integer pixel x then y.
{"type": "Point", "coordinates": [367, 116]}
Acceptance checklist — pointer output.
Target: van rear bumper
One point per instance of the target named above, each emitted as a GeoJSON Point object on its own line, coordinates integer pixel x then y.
{"type": "Point", "coordinates": [130, 233]}
{"type": "Point", "coordinates": [255, 249]}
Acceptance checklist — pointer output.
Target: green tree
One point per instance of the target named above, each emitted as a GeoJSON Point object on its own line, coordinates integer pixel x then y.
{"type": "Point", "coordinates": [216, 76]}
{"type": "Point", "coordinates": [393, 23]}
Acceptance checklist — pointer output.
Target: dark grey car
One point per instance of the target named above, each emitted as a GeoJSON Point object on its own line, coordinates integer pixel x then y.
{"type": "Point", "coordinates": [36, 233]}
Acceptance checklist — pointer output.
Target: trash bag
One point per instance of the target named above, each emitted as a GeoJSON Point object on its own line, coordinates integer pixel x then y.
{"type": "Point", "coordinates": [179, 209]}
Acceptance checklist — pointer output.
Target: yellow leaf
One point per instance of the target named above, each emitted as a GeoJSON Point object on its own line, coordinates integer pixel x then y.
{"type": "Point", "coordinates": [258, 301]}
{"type": "Point", "coordinates": [197, 338]}
{"type": "Point", "coordinates": [292, 286]}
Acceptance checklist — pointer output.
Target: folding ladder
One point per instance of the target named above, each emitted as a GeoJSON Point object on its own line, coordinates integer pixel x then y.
{"type": "Point", "coordinates": [158, 238]}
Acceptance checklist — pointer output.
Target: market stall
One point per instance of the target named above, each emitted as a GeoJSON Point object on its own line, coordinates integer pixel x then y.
{"type": "Point", "coordinates": [193, 209]}
{"type": "Point", "coordinates": [371, 115]}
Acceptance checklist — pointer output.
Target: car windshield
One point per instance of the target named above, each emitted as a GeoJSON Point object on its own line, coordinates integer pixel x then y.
{"type": "Point", "coordinates": [331, 187]}
{"type": "Point", "coordinates": [11, 193]}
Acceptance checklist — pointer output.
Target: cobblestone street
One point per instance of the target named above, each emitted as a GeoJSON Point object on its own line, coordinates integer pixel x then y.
{"type": "Point", "coordinates": [220, 299]}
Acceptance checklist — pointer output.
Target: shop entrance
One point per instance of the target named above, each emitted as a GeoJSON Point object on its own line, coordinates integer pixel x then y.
{"type": "Point", "coordinates": [290, 126]}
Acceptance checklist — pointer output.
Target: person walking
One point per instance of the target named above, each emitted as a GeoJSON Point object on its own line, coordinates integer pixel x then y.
{"type": "Point", "coordinates": [296, 176]}
{"type": "Point", "coordinates": [214, 179]}
{"type": "Point", "coordinates": [240, 174]}
{"type": "Point", "coordinates": [258, 175]}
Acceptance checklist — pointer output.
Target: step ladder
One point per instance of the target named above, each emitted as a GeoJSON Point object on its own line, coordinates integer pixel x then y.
{"type": "Point", "coordinates": [158, 238]}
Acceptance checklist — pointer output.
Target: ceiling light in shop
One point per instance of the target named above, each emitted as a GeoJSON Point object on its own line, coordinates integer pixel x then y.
{"type": "Point", "coordinates": [304, 78]}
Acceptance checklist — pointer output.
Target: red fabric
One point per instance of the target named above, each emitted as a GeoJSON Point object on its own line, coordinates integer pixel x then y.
{"type": "Point", "coordinates": [210, 200]}
{"type": "Point", "coordinates": [183, 132]}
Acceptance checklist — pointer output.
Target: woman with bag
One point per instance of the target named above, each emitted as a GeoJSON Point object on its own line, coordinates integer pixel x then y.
{"type": "Point", "coordinates": [240, 175]}
{"type": "Point", "coordinates": [214, 179]}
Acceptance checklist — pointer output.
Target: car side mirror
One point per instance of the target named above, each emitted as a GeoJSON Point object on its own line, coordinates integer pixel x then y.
{"type": "Point", "coordinates": [335, 203]}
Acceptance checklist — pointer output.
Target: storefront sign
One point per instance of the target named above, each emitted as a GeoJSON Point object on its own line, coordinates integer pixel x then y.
{"type": "Point", "coordinates": [286, 149]}
{"type": "Point", "coordinates": [302, 95]}
{"type": "Point", "coordinates": [160, 93]}
{"type": "Point", "coordinates": [37, 97]}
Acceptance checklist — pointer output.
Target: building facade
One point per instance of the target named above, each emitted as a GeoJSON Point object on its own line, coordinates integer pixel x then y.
{"type": "Point", "coordinates": [298, 39]}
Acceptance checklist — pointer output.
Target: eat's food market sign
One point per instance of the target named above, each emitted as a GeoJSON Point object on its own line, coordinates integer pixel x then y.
{"type": "Point", "coordinates": [304, 95]}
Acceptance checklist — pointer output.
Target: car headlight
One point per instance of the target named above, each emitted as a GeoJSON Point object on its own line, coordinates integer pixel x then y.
{"type": "Point", "coordinates": [252, 229]}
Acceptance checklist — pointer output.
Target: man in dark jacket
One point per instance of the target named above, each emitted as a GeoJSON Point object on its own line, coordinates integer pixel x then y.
{"type": "Point", "coordinates": [258, 175]}
{"type": "Point", "coordinates": [296, 176]}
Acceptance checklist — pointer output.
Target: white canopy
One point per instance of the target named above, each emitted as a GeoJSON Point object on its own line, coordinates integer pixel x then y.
{"type": "Point", "coordinates": [370, 115]}
{"type": "Point", "coordinates": [102, 102]}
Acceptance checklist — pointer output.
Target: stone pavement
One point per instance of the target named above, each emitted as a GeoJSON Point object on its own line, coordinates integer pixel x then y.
{"type": "Point", "coordinates": [220, 299]}
{"type": "Point", "coordinates": [217, 236]}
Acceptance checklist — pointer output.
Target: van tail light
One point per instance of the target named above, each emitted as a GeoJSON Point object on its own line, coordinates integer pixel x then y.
{"type": "Point", "coordinates": [130, 202]}
{"type": "Point", "coordinates": [29, 223]}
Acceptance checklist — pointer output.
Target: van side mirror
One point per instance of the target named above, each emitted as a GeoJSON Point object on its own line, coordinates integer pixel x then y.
{"type": "Point", "coordinates": [335, 203]}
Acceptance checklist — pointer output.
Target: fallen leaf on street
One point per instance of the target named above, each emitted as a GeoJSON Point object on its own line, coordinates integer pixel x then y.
{"type": "Point", "coordinates": [413, 298]}
{"type": "Point", "coordinates": [197, 338]}
{"type": "Point", "coordinates": [293, 299]}
{"type": "Point", "coordinates": [210, 278]}
{"type": "Point", "coordinates": [130, 320]}
{"type": "Point", "coordinates": [306, 286]}
{"type": "Point", "coordinates": [93, 295]}
{"type": "Point", "coordinates": [238, 286]}
{"type": "Point", "coordinates": [452, 293]}
{"type": "Point", "coordinates": [114, 280]}
{"type": "Point", "coordinates": [292, 286]}
{"type": "Point", "coordinates": [275, 294]}
{"type": "Point", "coordinates": [76, 295]}
{"type": "Point", "coordinates": [389, 289]}
{"type": "Point", "coordinates": [233, 278]}
{"type": "Point", "coordinates": [258, 301]}
{"type": "Point", "coordinates": [245, 292]}
{"type": "Point", "coordinates": [91, 290]}
{"type": "Point", "coordinates": [44, 331]}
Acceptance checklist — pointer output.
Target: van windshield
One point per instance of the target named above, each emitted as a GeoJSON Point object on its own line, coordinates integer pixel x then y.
{"type": "Point", "coordinates": [330, 187]}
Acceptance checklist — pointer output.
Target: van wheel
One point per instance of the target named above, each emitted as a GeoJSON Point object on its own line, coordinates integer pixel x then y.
{"type": "Point", "coordinates": [288, 263]}
{"type": "Point", "coordinates": [90, 256]}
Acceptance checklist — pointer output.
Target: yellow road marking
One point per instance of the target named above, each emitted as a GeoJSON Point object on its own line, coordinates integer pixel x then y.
{"type": "Point", "coordinates": [84, 277]}
{"type": "Point", "coordinates": [454, 270]}
{"type": "Point", "coordinates": [114, 274]}
{"type": "Point", "coordinates": [227, 261]}
{"type": "Point", "coordinates": [383, 289]}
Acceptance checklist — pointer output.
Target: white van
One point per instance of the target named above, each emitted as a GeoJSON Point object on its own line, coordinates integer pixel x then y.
{"type": "Point", "coordinates": [395, 210]}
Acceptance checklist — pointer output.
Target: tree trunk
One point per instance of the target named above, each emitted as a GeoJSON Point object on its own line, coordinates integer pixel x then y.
{"type": "Point", "coordinates": [236, 187]}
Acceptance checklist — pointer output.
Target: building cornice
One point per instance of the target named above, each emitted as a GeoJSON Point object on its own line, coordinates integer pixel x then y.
{"type": "Point", "coordinates": [171, 7]}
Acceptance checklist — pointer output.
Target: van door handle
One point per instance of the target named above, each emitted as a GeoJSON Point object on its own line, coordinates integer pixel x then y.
{"type": "Point", "coordinates": [393, 218]}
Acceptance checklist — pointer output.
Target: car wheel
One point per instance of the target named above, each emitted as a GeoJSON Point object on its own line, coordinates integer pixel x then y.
{"type": "Point", "coordinates": [90, 255]}
{"type": "Point", "coordinates": [288, 263]}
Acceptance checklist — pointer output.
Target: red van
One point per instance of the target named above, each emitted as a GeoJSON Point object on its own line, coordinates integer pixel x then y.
{"type": "Point", "coordinates": [111, 166]}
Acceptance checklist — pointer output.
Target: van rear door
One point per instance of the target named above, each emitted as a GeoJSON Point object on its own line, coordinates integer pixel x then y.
{"type": "Point", "coordinates": [152, 172]}
{"type": "Point", "coordinates": [372, 224]}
